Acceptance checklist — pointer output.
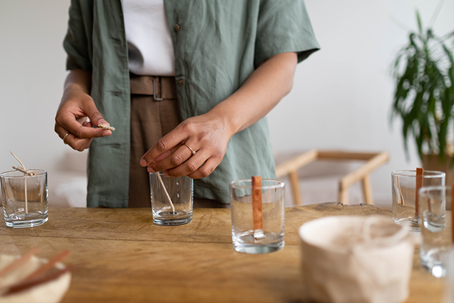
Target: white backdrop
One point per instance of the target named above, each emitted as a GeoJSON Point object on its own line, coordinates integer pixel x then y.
{"type": "Point", "coordinates": [340, 99]}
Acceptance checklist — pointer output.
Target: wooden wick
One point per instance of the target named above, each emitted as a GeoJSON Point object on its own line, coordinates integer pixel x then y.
{"type": "Point", "coordinates": [105, 126]}
{"type": "Point", "coordinates": [24, 285]}
{"type": "Point", "coordinates": [46, 267]}
{"type": "Point", "coordinates": [165, 190]}
{"type": "Point", "coordinates": [452, 213]}
{"type": "Point", "coordinates": [26, 172]}
{"type": "Point", "coordinates": [16, 263]}
{"type": "Point", "coordinates": [400, 191]}
{"type": "Point", "coordinates": [419, 179]}
{"type": "Point", "coordinates": [257, 206]}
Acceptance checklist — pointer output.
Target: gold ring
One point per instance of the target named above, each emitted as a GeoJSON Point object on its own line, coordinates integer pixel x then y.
{"type": "Point", "coordinates": [192, 151]}
{"type": "Point", "coordinates": [64, 137]}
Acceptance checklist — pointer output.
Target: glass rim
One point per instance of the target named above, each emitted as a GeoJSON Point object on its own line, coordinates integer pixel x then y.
{"type": "Point", "coordinates": [406, 173]}
{"type": "Point", "coordinates": [279, 184]}
{"type": "Point", "coordinates": [39, 172]}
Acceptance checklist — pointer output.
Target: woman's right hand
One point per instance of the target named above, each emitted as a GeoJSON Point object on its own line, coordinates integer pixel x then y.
{"type": "Point", "coordinates": [71, 118]}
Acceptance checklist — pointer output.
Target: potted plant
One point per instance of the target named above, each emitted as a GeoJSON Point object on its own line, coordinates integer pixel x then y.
{"type": "Point", "coordinates": [423, 72]}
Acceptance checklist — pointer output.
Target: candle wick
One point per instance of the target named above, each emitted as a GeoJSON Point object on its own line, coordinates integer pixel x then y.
{"type": "Point", "coordinates": [165, 190]}
{"type": "Point", "coordinates": [26, 173]}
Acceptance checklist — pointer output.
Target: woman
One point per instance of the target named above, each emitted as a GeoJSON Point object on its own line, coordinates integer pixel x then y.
{"type": "Point", "coordinates": [232, 62]}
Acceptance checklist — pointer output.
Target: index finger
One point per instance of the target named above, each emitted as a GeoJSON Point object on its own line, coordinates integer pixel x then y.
{"type": "Point", "coordinates": [69, 122]}
{"type": "Point", "coordinates": [166, 143]}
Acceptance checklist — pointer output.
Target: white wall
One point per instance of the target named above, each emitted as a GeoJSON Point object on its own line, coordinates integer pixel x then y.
{"type": "Point", "coordinates": [32, 71]}
{"type": "Point", "coordinates": [341, 96]}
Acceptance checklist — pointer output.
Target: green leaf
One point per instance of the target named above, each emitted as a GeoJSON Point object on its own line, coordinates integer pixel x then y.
{"type": "Point", "coordinates": [418, 18]}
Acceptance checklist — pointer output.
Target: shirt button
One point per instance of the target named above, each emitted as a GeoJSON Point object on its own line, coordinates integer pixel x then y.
{"type": "Point", "coordinates": [180, 81]}
{"type": "Point", "coordinates": [177, 27]}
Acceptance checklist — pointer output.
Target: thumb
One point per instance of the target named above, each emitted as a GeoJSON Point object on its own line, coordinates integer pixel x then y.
{"type": "Point", "coordinates": [95, 116]}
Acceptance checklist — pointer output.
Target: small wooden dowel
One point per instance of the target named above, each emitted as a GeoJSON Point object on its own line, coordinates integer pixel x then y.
{"type": "Point", "coordinates": [419, 182]}
{"type": "Point", "coordinates": [24, 285]}
{"type": "Point", "coordinates": [257, 202]}
{"type": "Point", "coordinates": [18, 262]}
{"type": "Point", "coordinates": [25, 171]}
{"type": "Point", "coordinates": [165, 190]}
{"type": "Point", "coordinates": [45, 267]}
{"type": "Point", "coordinates": [452, 213]}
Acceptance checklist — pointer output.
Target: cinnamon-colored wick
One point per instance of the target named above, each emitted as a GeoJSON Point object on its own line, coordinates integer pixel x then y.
{"type": "Point", "coordinates": [419, 179]}
{"type": "Point", "coordinates": [257, 202]}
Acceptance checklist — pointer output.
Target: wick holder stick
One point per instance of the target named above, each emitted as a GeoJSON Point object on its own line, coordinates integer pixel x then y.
{"type": "Point", "coordinates": [452, 213]}
{"type": "Point", "coordinates": [419, 179]}
{"type": "Point", "coordinates": [257, 204]}
{"type": "Point", "coordinates": [165, 190]}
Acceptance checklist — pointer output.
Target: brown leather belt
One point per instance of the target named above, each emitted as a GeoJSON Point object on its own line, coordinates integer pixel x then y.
{"type": "Point", "coordinates": [160, 87]}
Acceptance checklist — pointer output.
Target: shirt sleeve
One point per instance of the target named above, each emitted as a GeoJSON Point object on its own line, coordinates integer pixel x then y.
{"type": "Point", "coordinates": [284, 26]}
{"type": "Point", "coordinates": [76, 42]}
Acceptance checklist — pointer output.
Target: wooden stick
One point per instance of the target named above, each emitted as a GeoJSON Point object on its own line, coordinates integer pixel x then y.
{"type": "Point", "coordinates": [400, 191]}
{"type": "Point", "coordinates": [419, 179]}
{"type": "Point", "coordinates": [45, 267]}
{"type": "Point", "coordinates": [25, 181]}
{"type": "Point", "coordinates": [24, 285]}
{"type": "Point", "coordinates": [18, 262]}
{"type": "Point", "coordinates": [165, 190]}
{"type": "Point", "coordinates": [452, 213]}
{"type": "Point", "coordinates": [25, 171]}
{"type": "Point", "coordinates": [257, 202]}
{"type": "Point", "coordinates": [105, 126]}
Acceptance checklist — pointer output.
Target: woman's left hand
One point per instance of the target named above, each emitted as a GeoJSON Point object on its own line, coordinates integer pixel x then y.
{"type": "Point", "coordinates": [207, 135]}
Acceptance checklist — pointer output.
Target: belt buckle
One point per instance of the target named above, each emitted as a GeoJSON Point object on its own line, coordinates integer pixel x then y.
{"type": "Point", "coordinates": [155, 95]}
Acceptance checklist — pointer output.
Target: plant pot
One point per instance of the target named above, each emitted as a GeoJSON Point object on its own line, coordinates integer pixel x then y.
{"type": "Point", "coordinates": [431, 162]}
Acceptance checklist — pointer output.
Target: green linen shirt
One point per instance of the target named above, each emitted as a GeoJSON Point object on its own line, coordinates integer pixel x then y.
{"type": "Point", "coordinates": [217, 45]}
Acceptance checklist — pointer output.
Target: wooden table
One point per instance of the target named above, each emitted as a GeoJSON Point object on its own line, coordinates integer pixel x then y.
{"type": "Point", "coordinates": [121, 256]}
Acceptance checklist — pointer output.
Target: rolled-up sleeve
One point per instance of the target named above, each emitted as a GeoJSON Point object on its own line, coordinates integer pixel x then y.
{"type": "Point", "coordinates": [284, 26]}
{"type": "Point", "coordinates": [76, 41]}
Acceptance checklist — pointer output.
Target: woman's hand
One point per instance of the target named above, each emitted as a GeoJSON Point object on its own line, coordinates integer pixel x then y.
{"type": "Point", "coordinates": [75, 107]}
{"type": "Point", "coordinates": [209, 134]}
{"type": "Point", "coordinates": [206, 134]}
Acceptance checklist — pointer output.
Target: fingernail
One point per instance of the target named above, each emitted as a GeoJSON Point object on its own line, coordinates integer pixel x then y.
{"type": "Point", "coordinates": [102, 121]}
{"type": "Point", "coordinates": [166, 174]}
{"type": "Point", "coordinates": [143, 162]}
{"type": "Point", "coordinates": [107, 133]}
{"type": "Point", "coordinates": [150, 170]}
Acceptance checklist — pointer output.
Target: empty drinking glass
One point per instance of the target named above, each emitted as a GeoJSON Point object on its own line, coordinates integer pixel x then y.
{"type": "Point", "coordinates": [436, 228]}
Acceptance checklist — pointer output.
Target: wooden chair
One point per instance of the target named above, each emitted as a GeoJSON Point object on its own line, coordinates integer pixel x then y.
{"type": "Point", "coordinates": [373, 161]}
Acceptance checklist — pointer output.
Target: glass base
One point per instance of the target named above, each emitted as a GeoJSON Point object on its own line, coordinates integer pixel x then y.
{"type": "Point", "coordinates": [412, 224]}
{"type": "Point", "coordinates": [26, 223]}
{"type": "Point", "coordinates": [258, 249]}
{"type": "Point", "coordinates": [435, 261]}
{"type": "Point", "coordinates": [172, 222]}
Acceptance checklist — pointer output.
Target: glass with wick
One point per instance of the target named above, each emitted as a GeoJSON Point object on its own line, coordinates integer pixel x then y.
{"type": "Point", "coordinates": [435, 205]}
{"type": "Point", "coordinates": [245, 237]}
{"type": "Point", "coordinates": [171, 199]}
{"type": "Point", "coordinates": [24, 198]}
{"type": "Point", "coordinates": [404, 189]}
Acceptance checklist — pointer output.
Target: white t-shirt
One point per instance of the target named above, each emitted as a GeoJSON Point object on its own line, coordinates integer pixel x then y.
{"type": "Point", "coordinates": [150, 47]}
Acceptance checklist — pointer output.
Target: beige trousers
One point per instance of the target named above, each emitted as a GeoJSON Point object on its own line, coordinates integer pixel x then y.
{"type": "Point", "coordinates": [151, 119]}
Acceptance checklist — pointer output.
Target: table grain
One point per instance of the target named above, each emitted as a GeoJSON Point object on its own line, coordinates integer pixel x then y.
{"type": "Point", "coordinates": [121, 256]}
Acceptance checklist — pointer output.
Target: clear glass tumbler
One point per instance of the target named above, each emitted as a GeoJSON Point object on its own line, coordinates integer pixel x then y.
{"type": "Point", "coordinates": [171, 199]}
{"type": "Point", "coordinates": [436, 229]}
{"type": "Point", "coordinates": [404, 195]}
{"type": "Point", "coordinates": [245, 238]}
{"type": "Point", "coordinates": [24, 198]}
